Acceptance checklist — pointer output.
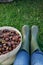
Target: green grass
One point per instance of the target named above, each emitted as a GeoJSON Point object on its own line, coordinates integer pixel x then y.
{"type": "Point", "coordinates": [21, 12]}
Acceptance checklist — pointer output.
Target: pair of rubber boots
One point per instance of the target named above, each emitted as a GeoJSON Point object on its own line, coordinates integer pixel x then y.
{"type": "Point", "coordinates": [23, 56]}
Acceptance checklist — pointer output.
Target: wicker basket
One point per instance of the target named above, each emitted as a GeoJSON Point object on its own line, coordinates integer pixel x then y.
{"type": "Point", "coordinates": [8, 58]}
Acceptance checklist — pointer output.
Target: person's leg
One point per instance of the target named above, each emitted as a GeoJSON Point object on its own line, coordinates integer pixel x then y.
{"type": "Point", "coordinates": [37, 58]}
{"type": "Point", "coordinates": [23, 56]}
{"type": "Point", "coordinates": [34, 34]}
{"type": "Point", "coordinates": [37, 55]}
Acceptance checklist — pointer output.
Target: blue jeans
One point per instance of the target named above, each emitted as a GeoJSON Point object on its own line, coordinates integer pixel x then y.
{"type": "Point", "coordinates": [37, 58]}
{"type": "Point", "coordinates": [23, 58]}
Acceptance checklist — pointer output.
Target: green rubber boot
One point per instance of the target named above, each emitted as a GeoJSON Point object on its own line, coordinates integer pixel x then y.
{"type": "Point", "coordinates": [34, 33]}
{"type": "Point", "coordinates": [25, 32]}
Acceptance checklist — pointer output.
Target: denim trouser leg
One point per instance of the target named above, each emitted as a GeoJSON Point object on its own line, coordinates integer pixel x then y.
{"type": "Point", "coordinates": [22, 58]}
{"type": "Point", "coordinates": [37, 58]}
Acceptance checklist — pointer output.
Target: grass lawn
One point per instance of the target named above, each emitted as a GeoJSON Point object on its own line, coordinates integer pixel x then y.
{"type": "Point", "coordinates": [21, 12]}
